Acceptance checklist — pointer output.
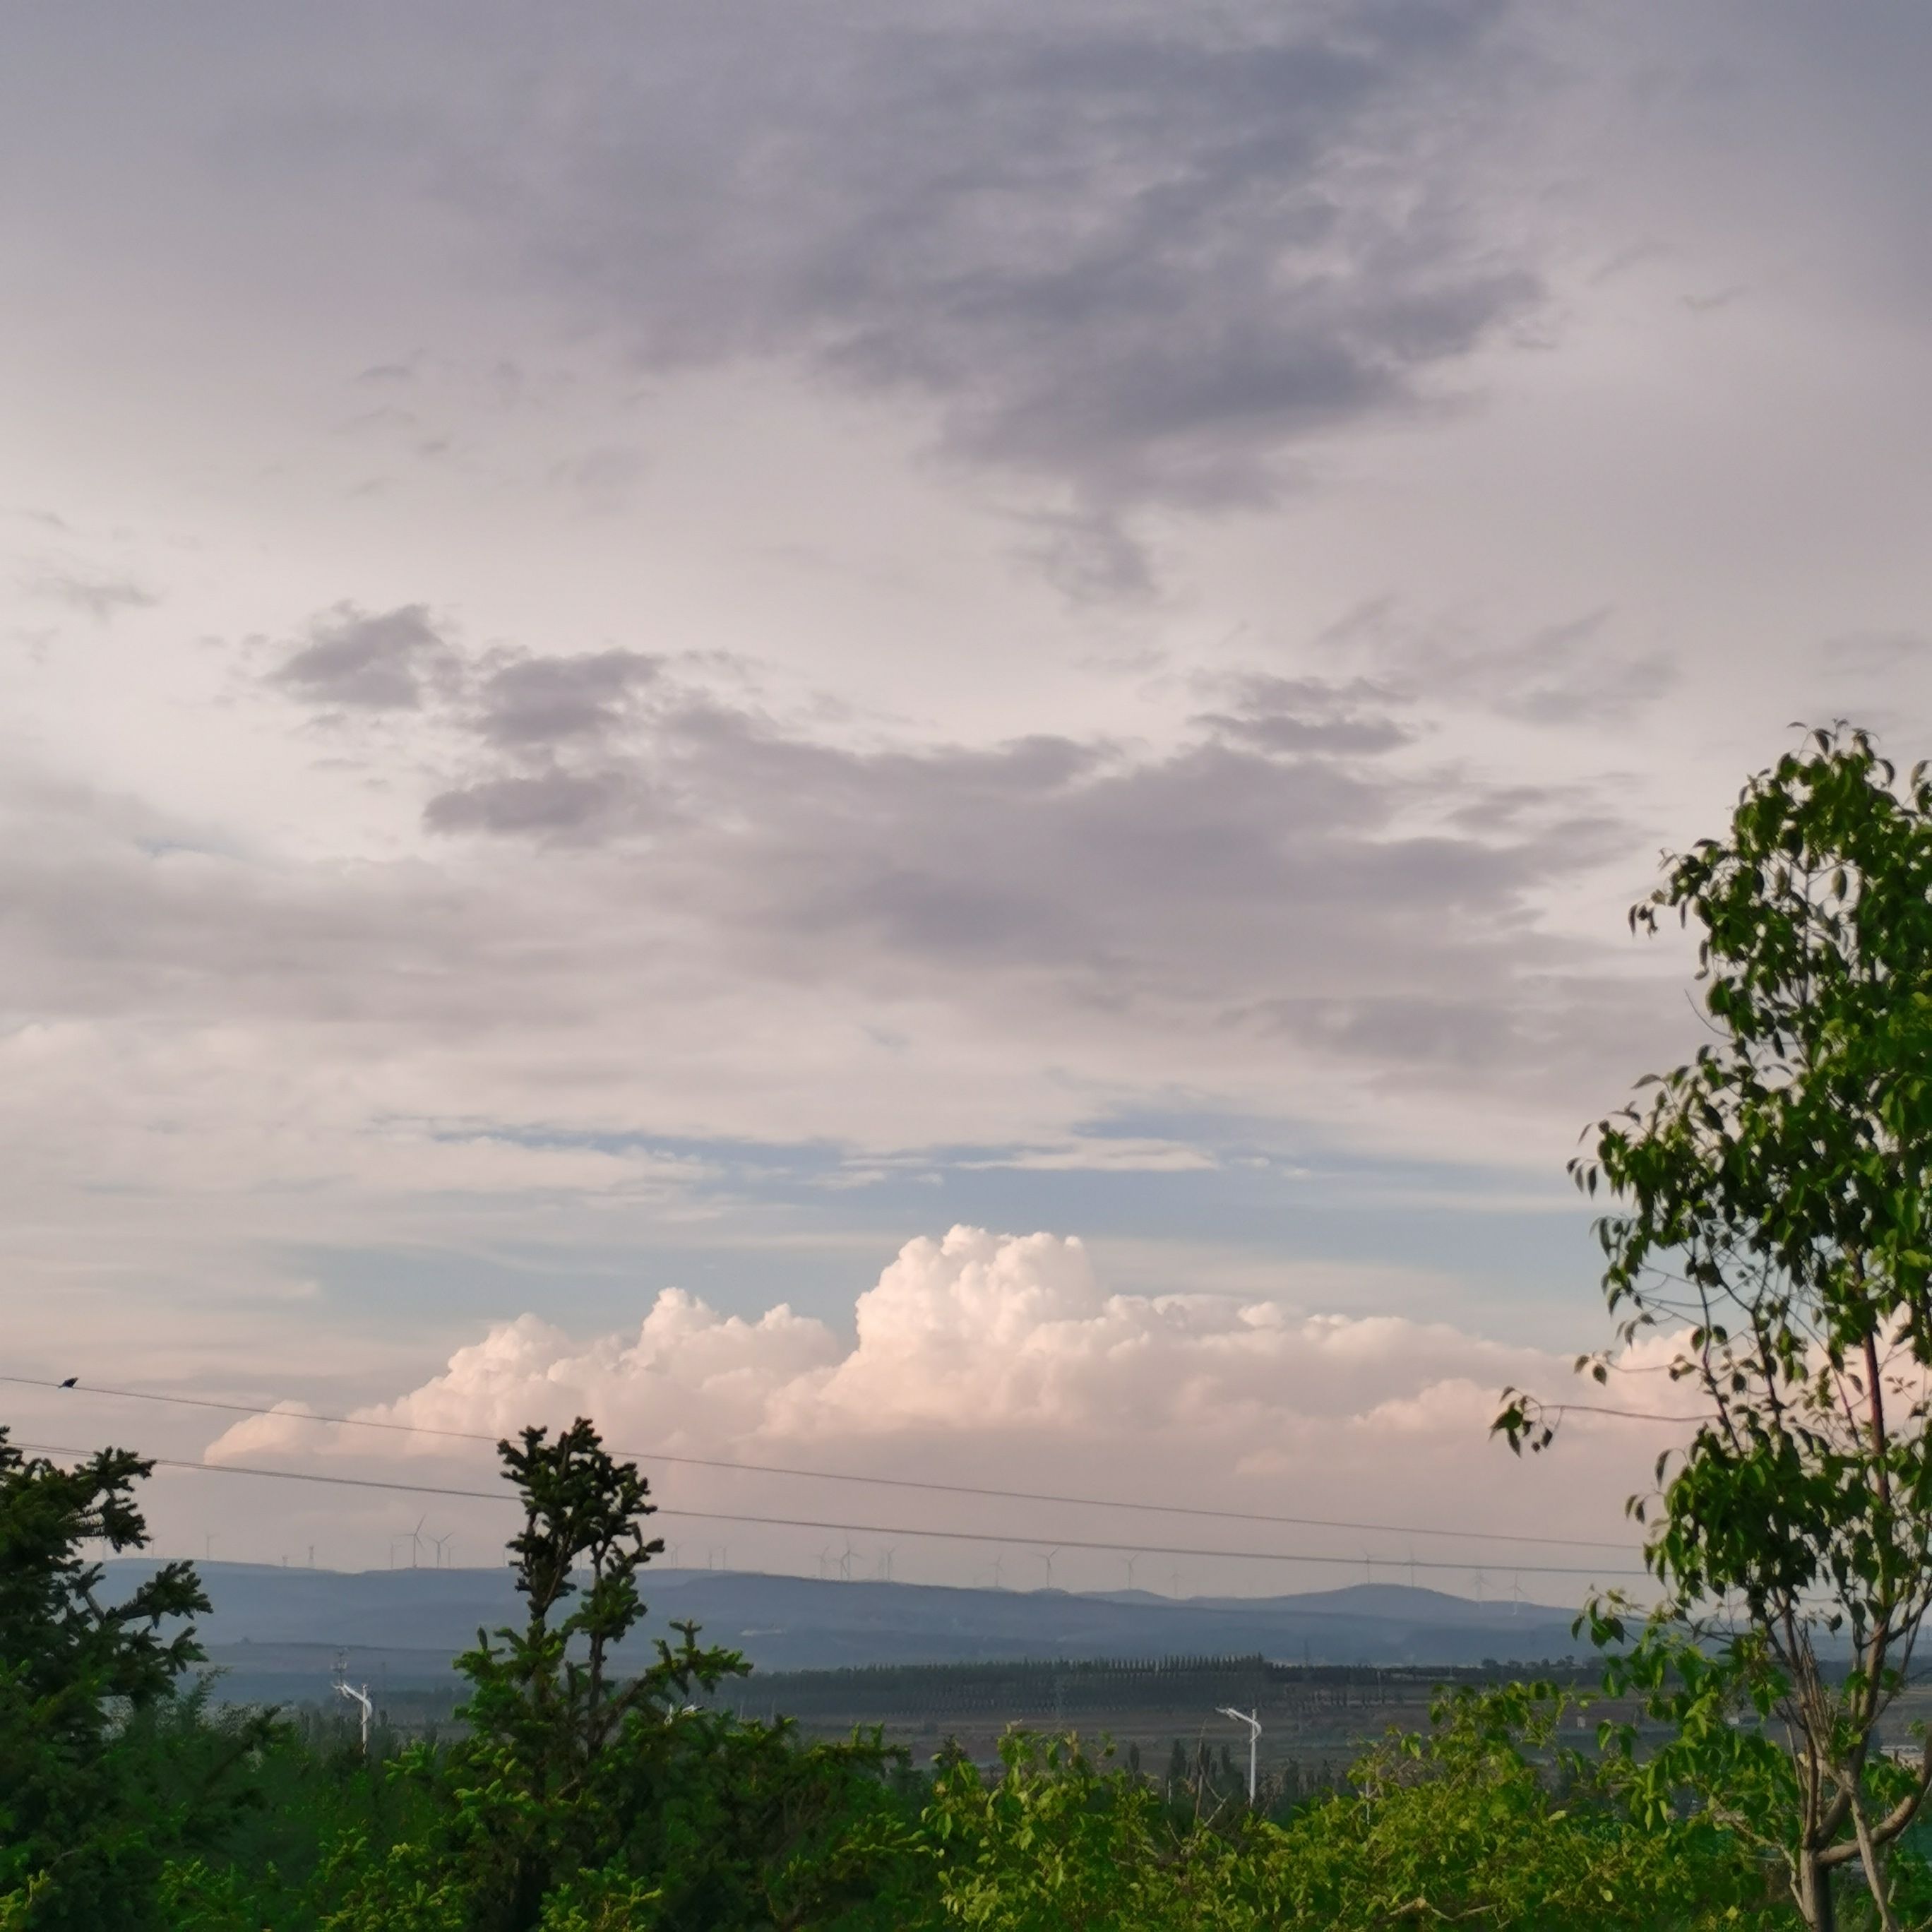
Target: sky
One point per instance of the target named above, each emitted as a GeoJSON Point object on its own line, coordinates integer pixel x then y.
{"type": "Point", "coordinates": [909, 741]}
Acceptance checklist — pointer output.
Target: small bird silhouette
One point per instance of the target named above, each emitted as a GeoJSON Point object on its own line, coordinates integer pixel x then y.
{"type": "Point", "coordinates": [69, 1382]}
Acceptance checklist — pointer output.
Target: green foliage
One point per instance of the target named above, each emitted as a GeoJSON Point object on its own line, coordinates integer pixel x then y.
{"type": "Point", "coordinates": [1056, 1842]}
{"type": "Point", "coordinates": [584, 1792]}
{"type": "Point", "coordinates": [1481, 1822]}
{"type": "Point", "coordinates": [1772, 1200]}
{"type": "Point", "coordinates": [105, 1773]}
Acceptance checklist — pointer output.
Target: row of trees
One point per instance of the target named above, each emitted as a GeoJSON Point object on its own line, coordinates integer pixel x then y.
{"type": "Point", "coordinates": [1769, 1210]}
{"type": "Point", "coordinates": [577, 1801]}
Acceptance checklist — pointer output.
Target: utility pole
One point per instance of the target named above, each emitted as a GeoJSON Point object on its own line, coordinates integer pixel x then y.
{"type": "Point", "coordinates": [1253, 1720]}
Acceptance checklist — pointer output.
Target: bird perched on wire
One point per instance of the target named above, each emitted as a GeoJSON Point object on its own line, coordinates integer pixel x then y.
{"type": "Point", "coordinates": [69, 1382]}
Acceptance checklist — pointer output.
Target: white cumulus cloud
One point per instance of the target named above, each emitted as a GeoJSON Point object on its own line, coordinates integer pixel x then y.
{"type": "Point", "coordinates": [1006, 1361]}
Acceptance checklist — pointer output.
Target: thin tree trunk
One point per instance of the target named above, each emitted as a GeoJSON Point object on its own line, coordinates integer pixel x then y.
{"type": "Point", "coordinates": [1814, 1896]}
{"type": "Point", "coordinates": [1874, 1865]}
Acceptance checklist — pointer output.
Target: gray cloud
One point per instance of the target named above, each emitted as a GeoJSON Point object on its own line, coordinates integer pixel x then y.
{"type": "Point", "coordinates": [1115, 260]}
{"type": "Point", "coordinates": [1124, 259]}
{"type": "Point", "coordinates": [1310, 715]}
{"type": "Point", "coordinates": [528, 702]}
{"type": "Point", "coordinates": [101, 596]}
{"type": "Point", "coordinates": [1265, 855]}
{"type": "Point", "coordinates": [1148, 913]}
{"type": "Point", "coordinates": [1570, 672]}
{"type": "Point", "coordinates": [1573, 671]}
{"type": "Point", "coordinates": [1090, 556]}
{"type": "Point", "coordinates": [549, 805]}
{"type": "Point", "coordinates": [383, 662]}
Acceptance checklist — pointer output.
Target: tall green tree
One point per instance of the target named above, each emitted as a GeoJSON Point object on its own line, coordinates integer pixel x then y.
{"type": "Point", "coordinates": [1770, 1202]}
{"type": "Point", "coordinates": [596, 1788]}
{"type": "Point", "coordinates": [105, 1773]}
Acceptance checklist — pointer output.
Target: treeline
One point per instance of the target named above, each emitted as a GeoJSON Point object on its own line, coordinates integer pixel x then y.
{"type": "Point", "coordinates": [1053, 1688]}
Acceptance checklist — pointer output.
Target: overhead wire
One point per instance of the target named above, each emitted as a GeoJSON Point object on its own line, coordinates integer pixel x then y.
{"type": "Point", "coordinates": [983, 1537]}
{"type": "Point", "coordinates": [981, 1490]}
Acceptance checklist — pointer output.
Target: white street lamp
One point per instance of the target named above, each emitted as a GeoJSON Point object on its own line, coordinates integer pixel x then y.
{"type": "Point", "coordinates": [1253, 1720]}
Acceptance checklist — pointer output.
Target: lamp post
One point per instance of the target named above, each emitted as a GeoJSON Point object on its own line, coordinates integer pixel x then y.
{"type": "Point", "coordinates": [360, 1697]}
{"type": "Point", "coordinates": [1253, 1720]}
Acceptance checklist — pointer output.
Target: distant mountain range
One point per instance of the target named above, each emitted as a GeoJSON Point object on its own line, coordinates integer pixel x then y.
{"type": "Point", "coordinates": [275, 1631]}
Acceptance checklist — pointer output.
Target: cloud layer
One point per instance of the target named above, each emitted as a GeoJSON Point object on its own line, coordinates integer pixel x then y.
{"type": "Point", "coordinates": [637, 907]}
{"type": "Point", "coordinates": [1134, 262]}
{"type": "Point", "coordinates": [658, 642]}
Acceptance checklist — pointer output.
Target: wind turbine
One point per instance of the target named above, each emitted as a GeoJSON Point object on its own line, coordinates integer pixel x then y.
{"type": "Point", "coordinates": [1253, 1720]}
{"type": "Point", "coordinates": [845, 1563]}
{"type": "Point", "coordinates": [999, 1563]}
{"type": "Point", "coordinates": [1046, 1556]}
{"type": "Point", "coordinates": [416, 1543]}
{"type": "Point", "coordinates": [443, 1543]}
{"type": "Point", "coordinates": [886, 1562]}
{"type": "Point", "coordinates": [825, 1556]}
{"type": "Point", "coordinates": [1130, 1561]}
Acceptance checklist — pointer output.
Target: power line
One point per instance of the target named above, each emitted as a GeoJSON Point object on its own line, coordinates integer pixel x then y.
{"type": "Point", "coordinates": [859, 1528]}
{"type": "Point", "coordinates": [1623, 1415]}
{"type": "Point", "coordinates": [872, 1482]}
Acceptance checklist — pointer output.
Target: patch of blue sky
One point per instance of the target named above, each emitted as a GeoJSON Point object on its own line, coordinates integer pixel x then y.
{"type": "Point", "coordinates": [747, 1224]}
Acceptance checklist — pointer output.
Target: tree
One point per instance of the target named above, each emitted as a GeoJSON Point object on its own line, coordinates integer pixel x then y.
{"type": "Point", "coordinates": [104, 1772]}
{"type": "Point", "coordinates": [1771, 1202]}
{"type": "Point", "coordinates": [549, 1695]}
{"type": "Point", "coordinates": [591, 1792]}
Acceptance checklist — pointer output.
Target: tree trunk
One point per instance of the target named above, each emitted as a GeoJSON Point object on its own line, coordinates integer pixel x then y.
{"type": "Point", "coordinates": [1814, 1895]}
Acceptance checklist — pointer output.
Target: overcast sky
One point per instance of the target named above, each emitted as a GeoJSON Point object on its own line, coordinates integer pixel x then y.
{"type": "Point", "coordinates": [654, 650]}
